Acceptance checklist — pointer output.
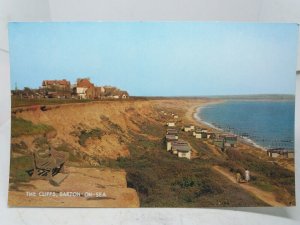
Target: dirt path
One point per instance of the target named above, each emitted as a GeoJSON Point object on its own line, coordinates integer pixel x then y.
{"type": "Point", "coordinates": [267, 197]}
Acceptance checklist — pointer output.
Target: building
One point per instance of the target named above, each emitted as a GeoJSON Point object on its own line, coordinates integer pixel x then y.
{"type": "Point", "coordinates": [85, 89]}
{"type": "Point", "coordinates": [56, 88]}
{"type": "Point", "coordinates": [181, 148]}
{"type": "Point", "coordinates": [55, 85]}
{"type": "Point", "coordinates": [197, 133]}
{"type": "Point", "coordinates": [188, 128]}
{"type": "Point", "coordinates": [172, 131]}
{"type": "Point", "coordinates": [169, 139]}
{"type": "Point", "coordinates": [99, 92]}
{"type": "Point", "coordinates": [171, 124]}
{"type": "Point", "coordinates": [280, 152]}
{"type": "Point", "coordinates": [229, 140]}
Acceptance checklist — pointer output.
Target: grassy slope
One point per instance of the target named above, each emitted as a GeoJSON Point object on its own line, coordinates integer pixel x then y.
{"type": "Point", "coordinates": [20, 127]}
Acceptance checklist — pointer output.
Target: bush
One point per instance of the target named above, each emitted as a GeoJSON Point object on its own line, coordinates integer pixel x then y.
{"type": "Point", "coordinates": [85, 135]}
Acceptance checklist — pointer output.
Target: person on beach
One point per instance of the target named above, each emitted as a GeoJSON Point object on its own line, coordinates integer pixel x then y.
{"type": "Point", "coordinates": [247, 175]}
{"type": "Point", "coordinates": [238, 177]}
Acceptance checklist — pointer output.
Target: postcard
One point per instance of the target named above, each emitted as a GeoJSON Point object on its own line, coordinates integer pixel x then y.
{"type": "Point", "coordinates": [152, 114]}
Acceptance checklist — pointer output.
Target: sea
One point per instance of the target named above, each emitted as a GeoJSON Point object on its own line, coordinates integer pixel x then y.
{"type": "Point", "coordinates": [267, 124]}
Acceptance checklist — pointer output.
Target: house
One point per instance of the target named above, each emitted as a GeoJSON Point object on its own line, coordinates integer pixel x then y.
{"type": "Point", "coordinates": [56, 85]}
{"type": "Point", "coordinates": [85, 89]}
{"type": "Point", "coordinates": [115, 93]}
{"type": "Point", "coordinates": [169, 139]}
{"type": "Point", "coordinates": [171, 124]}
{"type": "Point", "coordinates": [56, 89]}
{"type": "Point", "coordinates": [124, 95]}
{"type": "Point", "coordinates": [280, 152]}
{"type": "Point", "coordinates": [188, 128]}
{"type": "Point", "coordinates": [99, 92]}
{"type": "Point", "coordinates": [181, 148]}
{"type": "Point", "coordinates": [204, 134]}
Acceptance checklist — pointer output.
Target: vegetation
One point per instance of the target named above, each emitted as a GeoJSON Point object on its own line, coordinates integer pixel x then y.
{"type": "Point", "coordinates": [163, 180]}
{"type": "Point", "coordinates": [86, 134]}
{"type": "Point", "coordinates": [20, 127]}
{"type": "Point", "coordinates": [18, 102]}
{"type": "Point", "coordinates": [265, 175]}
{"type": "Point", "coordinates": [20, 147]}
{"type": "Point", "coordinates": [18, 168]}
{"type": "Point", "coordinates": [110, 125]}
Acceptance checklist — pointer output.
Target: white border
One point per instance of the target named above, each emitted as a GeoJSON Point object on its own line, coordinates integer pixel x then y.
{"type": "Point", "coordinates": [88, 10]}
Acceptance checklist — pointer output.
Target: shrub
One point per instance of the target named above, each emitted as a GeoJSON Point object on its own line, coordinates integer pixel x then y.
{"type": "Point", "coordinates": [85, 135]}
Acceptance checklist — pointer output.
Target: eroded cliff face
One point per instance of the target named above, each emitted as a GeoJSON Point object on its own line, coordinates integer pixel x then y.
{"type": "Point", "coordinates": [99, 129]}
{"type": "Point", "coordinates": [91, 132]}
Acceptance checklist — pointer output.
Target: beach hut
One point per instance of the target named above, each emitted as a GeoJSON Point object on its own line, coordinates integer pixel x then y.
{"type": "Point", "coordinates": [197, 133]}
{"type": "Point", "coordinates": [210, 135]}
{"type": "Point", "coordinates": [171, 124]}
{"type": "Point", "coordinates": [181, 148]}
{"type": "Point", "coordinates": [273, 153]}
{"type": "Point", "coordinates": [280, 152]}
{"type": "Point", "coordinates": [230, 140]}
{"type": "Point", "coordinates": [169, 139]}
{"type": "Point", "coordinates": [188, 128]}
{"type": "Point", "coordinates": [172, 131]}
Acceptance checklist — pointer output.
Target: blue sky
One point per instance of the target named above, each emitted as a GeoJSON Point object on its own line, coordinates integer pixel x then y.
{"type": "Point", "coordinates": [158, 58]}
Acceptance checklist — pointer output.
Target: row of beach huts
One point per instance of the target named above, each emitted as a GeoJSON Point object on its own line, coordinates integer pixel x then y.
{"type": "Point", "coordinates": [222, 141]}
{"type": "Point", "coordinates": [182, 148]}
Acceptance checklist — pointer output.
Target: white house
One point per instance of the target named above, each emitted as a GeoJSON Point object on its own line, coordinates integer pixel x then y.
{"type": "Point", "coordinates": [81, 92]}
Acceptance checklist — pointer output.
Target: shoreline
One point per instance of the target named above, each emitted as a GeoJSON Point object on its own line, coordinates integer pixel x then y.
{"type": "Point", "coordinates": [195, 117]}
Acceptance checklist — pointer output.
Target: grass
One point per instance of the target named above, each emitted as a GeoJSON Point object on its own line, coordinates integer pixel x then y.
{"type": "Point", "coordinates": [18, 167]}
{"type": "Point", "coordinates": [18, 102]}
{"type": "Point", "coordinates": [163, 180]}
{"type": "Point", "coordinates": [20, 127]}
{"type": "Point", "coordinates": [265, 175]}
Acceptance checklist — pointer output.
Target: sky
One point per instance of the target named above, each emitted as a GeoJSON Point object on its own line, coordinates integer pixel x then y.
{"type": "Point", "coordinates": [158, 58]}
